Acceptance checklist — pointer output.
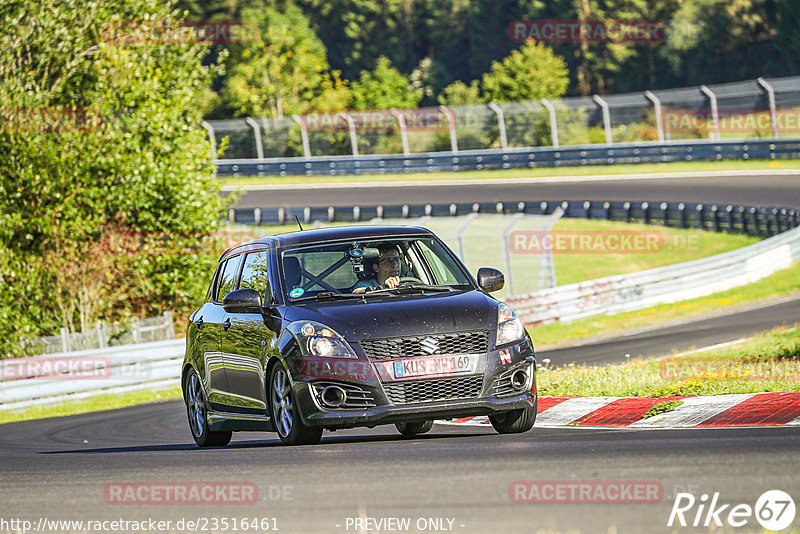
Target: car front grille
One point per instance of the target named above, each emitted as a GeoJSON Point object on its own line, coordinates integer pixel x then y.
{"type": "Point", "coordinates": [466, 387]}
{"type": "Point", "coordinates": [476, 342]}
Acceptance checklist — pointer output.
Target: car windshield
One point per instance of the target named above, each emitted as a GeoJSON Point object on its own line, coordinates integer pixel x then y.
{"type": "Point", "coordinates": [362, 267]}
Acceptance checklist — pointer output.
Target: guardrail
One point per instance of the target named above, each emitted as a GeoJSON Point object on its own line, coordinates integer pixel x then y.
{"type": "Point", "coordinates": [636, 291]}
{"type": "Point", "coordinates": [59, 377]}
{"type": "Point", "coordinates": [470, 160]}
{"type": "Point", "coordinates": [712, 217]}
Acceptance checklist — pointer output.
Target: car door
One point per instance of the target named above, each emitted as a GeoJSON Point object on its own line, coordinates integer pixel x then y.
{"type": "Point", "coordinates": [209, 321]}
{"type": "Point", "coordinates": [248, 341]}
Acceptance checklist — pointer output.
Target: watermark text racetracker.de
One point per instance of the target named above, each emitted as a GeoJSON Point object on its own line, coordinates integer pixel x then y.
{"type": "Point", "coordinates": [599, 242]}
{"type": "Point", "coordinates": [170, 32]}
{"type": "Point", "coordinates": [184, 524]}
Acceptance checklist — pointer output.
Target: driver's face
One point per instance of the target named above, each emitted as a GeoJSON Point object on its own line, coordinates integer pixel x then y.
{"type": "Point", "coordinates": [388, 265]}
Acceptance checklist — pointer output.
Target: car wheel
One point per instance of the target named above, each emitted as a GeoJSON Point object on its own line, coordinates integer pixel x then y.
{"type": "Point", "coordinates": [515, 421]}
{"type": "Point", "coordinates": [197, 412]}
{"type": "Point", "coordinates": [412, 429]}
{"type": "Point", "coordinates": [284, 411]}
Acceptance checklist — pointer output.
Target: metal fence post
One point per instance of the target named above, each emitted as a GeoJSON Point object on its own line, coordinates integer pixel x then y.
{"type": "Point", "coordinates": [714, 110]}
{"type": "Point", "coordinates": [303, 134]}
{"type": "Point", "coordinates": [553, 122]}
{"type": "Point", "coordinates": [135, 330]}
{"type": "Point", "coordinates": [169, 325]}
{"type": "Point", "coordinates": [657, 108]}
{"type": "Point", "coordinates": [507, 251]}
{"type": "Point", "coordinates": [102, 341]}
{"type": "Point", "coordinates": [460, 234]}
{"type": "Point", "coordinates": [257, 135]}
{"type": "Point", "coordinates": [451, 122]}
{"type": "Point", "coordinates": [401, 121]}
{"type": "Point", "coordinates": [501, 124]}
{"type": "Point", "coordinates": [65, 345]}
{"type": "Point", "coordinates": [772, 112]}
{"type": "Point", "coordinates": [212, 137]}
{"type": "Point", "coordinates": [606, 117]}
{"type": "Point", "coordinates": [351, 126]}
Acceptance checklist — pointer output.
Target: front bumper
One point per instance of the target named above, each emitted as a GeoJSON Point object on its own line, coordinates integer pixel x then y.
{"type": "Point", "coordinates": [487, 400]}
{"type": "Point", "coordinates": [423, 411]}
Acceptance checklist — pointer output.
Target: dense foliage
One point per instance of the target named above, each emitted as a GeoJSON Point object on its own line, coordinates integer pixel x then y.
{"type": "Point", "coordinates": [106, 179]}
{"type": "Point", "coordinates": [436, 43]}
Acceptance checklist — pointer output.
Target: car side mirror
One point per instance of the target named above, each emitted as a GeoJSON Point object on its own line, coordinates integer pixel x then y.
{"type": "Point", "coordinates": [242, 301]}
{"type": "Point", "coordinates": [490, 279]}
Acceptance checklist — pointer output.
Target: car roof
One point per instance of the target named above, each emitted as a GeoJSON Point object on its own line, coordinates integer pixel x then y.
{"type": "Point", "coordinates": [321, 235]}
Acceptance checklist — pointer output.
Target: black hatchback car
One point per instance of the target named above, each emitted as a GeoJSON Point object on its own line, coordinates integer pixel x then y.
{"type": "Point", "coordinates": [353, 326]}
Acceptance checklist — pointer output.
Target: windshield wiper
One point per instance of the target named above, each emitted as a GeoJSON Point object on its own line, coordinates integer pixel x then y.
{"type": "Point", "coordinates": [413, 287]}
{"type": "Point", "coordinates": [328, 295]}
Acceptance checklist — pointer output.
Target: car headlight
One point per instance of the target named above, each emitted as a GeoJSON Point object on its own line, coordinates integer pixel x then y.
{"type": "Point", "coordinates": [320, 341]}
{"type": "Point", "coordinates": [509, 325]}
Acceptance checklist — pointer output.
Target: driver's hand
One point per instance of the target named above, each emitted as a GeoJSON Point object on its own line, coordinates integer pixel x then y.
{"type": "Point", "coordinates": [359, 290]}
{"type": "Point", "coordinates": [392, 281]}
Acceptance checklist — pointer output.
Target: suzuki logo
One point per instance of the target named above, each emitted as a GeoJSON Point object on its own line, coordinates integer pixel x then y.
{"type": "Point", "coordinates": [429, 345]}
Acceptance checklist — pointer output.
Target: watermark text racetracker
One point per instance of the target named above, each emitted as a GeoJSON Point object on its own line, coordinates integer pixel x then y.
{"type": "Point", "coordinates": [599, 242]}
{"type": "Point", "coordinates": [586, 31]}
{"type": "Point", "coordinates": [184, 524]}
{"type": "Point", "coordinates": [586, 492]}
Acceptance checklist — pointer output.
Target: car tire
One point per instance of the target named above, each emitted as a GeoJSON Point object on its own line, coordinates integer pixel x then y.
{"type": "Point", "coordinates": [413, 429]}
{"type": "Point", "coordinates": [515, 421]}
{"type": "Point", "coordinates": [197, 411]}
{"type": "Point", "coordinates": [285, 413]}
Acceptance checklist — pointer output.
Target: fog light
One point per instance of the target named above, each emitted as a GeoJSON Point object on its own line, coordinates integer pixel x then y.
{"type": "Point", "coordinates": [519, 379]}
{"type": "Point", "coordinates": [333, 396]}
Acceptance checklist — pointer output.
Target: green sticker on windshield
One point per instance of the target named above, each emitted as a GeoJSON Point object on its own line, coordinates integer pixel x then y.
{"type": "Point", "coordinates": [296, 292]}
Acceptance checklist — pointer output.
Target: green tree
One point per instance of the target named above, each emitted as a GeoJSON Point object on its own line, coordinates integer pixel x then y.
{"type": "Point", "coordinates": [460, 94]}
{"type": "Point", "coordinates": [284, 71]}
{"type": "Point", "coordinates": [383, 88]}
{"type": "Point", "coordinates": [101, 134]}
{"type": "Point", "coordinates": [529, 73]}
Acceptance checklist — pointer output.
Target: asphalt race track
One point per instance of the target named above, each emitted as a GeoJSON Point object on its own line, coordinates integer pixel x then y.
{"type": "Point", "coordinates": [768, 190]}
{"type": "Point", "coordinates": [59, 468]}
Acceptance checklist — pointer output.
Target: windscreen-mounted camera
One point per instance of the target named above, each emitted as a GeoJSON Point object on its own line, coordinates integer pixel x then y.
{"type": "Point", "coordinates": [357, 254]}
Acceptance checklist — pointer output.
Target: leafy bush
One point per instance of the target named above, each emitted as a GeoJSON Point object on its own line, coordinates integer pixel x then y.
{"type": "Point", "coordinates": [102, 139]}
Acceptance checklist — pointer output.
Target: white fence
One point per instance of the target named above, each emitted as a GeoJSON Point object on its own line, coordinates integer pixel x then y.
{"type": "Point", "coordinates": [629, 292]}
{"type": "Point", "coordinates": [60, 377]}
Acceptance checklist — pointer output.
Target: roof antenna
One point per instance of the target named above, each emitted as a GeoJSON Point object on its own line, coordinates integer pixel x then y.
{"type": "Point", "coordinates": [298, 222]}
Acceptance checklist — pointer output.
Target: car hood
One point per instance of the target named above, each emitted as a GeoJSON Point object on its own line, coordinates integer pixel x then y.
{"type": "Point", "coordinates": [405, 315]}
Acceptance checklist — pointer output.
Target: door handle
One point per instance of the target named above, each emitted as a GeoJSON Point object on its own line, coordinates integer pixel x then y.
{"type": "Point", "coordinates": [226, 324]}
{"type": "Point", "coordinates": [199, 322]}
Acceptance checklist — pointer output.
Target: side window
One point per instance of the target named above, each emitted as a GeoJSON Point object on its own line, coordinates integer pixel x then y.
{"type": "Point", "coordinates": [255, 274]}
{"type": "Point", "coordinates": [441, 272]}
{"type": "Point", "coordinates": [227, 280]}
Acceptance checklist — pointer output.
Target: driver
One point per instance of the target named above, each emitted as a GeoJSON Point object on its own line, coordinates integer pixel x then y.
{"type": "Point", "coordinates": [386, 268]}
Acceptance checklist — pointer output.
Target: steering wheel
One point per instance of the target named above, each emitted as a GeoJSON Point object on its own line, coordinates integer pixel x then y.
{"type": "Point", "coordinates": [409, 280]}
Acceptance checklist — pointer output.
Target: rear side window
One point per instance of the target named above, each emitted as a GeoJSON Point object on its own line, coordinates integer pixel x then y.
{"type": "Point", "coordinates": [255, 274]}
{"type": "Point", "coordinates": [228, 277]}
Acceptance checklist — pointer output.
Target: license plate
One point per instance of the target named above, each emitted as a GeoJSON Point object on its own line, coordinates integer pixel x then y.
{"type": "Point", "coordinates": [439, 365]}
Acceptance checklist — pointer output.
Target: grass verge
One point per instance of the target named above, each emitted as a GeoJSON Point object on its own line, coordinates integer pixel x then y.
{"type": "Point", "coordinates": [782, 283]}
{"type": "Point", "coordinates": [673, 245]}
{"type": "Point", "coordinates": [766, 362]}
{"type": "Point", "coordinates": [645, 168]}
{"type": "Point", "coordinates": [91, 404]}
